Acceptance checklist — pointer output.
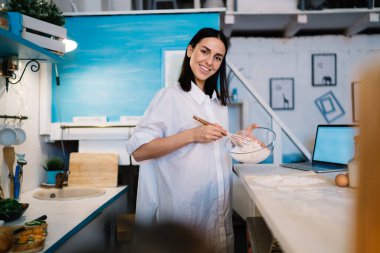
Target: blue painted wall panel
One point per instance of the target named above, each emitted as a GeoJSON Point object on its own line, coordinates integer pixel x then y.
{"type": "Point", "coordinates": [117, 67]}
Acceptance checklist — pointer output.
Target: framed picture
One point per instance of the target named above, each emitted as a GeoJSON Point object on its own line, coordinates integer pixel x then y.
{"type": "Point", "coordinates": [329, 107]}
{"type": "Point", "coordinates": [282, 93]}
{"type": "Point", "coordinates": [323, 69]}
{"type": "Point", "coordinates": [172, 62]}
{"type": "Point", "coordinates": [355, 90]}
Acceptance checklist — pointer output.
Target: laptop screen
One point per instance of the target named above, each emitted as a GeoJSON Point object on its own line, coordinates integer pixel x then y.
{"type": "Point", "coordinates": [335, 143]}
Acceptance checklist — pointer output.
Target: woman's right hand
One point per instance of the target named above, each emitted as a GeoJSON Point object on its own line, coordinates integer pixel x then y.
{"type": "Point", "coordinates": [208, 133]}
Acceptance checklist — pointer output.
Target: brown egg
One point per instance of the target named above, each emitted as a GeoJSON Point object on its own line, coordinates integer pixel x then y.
{"type": "Point", "coordinates": [341, 180]}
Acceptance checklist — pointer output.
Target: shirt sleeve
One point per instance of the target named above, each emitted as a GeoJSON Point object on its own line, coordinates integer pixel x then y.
{"type": "Point", "coordinates": [155, 120]}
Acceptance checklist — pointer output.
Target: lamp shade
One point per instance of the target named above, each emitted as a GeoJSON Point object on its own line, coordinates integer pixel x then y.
{"type": "Point", "coordinates": [70, 45]}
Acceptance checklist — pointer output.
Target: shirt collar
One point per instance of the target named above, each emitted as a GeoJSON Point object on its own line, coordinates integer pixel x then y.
{"type": "Point", "coordinates": [199, 96]}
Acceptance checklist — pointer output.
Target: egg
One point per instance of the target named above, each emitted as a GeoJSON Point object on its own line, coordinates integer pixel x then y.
{"type": "Point", "coordinates": [341, 180]}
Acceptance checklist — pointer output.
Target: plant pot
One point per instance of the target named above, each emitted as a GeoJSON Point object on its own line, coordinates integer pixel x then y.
{"type": "Point", "coordinates": [51, 176]}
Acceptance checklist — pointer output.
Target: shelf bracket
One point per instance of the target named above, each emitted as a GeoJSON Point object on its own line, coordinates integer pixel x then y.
{"type": "Point", "coordinates": [295, 25]}
{"type": "Point", "coordinates": [362, 23]}
{"type": "Point", "coordinates": [34, 67]}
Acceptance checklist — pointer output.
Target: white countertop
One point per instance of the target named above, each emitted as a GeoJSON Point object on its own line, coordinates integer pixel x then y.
{"type": "Point", "coordinates": [65, 217]}
{"type": "Point", "coordinates": [313, 219]}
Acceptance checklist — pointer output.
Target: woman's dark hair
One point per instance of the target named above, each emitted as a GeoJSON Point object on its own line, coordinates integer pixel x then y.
{"type": "Point", "coordinates": [211, 83]}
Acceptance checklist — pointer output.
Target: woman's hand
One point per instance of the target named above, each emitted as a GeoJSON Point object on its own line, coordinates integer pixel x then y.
{"type": "Point", "coordinates": [248, 131]}
{"type": "Point", "coordinates": [208, 133]}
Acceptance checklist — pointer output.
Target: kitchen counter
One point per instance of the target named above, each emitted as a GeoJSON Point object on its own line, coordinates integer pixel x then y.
{"type": "Point", "coordinates": [310, 218]}
{"type": "Point", "coordinates": [67, 217]}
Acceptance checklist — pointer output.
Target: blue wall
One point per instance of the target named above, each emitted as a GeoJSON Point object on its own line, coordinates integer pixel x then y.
{"type": "Point", "coordinates": [117, 67]}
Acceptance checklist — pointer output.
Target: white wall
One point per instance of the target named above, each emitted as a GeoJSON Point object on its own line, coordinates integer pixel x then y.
{"type": "Point", "coordinates": [23, 99]}
{"type": "Point", "coordinates": [265, 58]}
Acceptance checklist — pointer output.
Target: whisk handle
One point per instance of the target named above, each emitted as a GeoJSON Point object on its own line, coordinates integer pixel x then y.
{"type": "Point", "coordinates": [204, 122]}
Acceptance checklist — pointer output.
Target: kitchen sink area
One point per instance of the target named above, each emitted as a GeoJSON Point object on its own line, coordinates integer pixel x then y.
{"type": "Point", "coordinates": [68, 193]}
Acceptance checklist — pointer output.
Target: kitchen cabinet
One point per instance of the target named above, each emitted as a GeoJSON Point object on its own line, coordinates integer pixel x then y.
{"type": "Point", "coordinates": [78, 225]}
{"type": "Point", "coordinates": [303, 218]}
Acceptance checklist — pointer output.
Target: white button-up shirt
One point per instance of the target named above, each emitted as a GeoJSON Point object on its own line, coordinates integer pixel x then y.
{"type": "Point", "coordinates": [192, 184]}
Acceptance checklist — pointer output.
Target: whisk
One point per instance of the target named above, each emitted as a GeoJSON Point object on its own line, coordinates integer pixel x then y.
{"type": "Point", "coordinates": [238, 140]}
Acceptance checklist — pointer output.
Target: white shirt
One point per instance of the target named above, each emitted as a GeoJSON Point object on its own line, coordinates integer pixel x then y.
{"type": "Point", "coordinates": [192, 184]}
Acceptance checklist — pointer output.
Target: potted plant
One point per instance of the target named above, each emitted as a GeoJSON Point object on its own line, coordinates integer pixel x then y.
{"type": "Point", "coordinates": [40, 9]}
{"type": "Point", "coordinates": [53, 166]}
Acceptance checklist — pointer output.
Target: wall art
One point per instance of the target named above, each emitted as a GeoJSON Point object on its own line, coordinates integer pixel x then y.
{"type": "Point", "coordinates": [282, 93]}
{"type": "Point", "coordinates": [323, 69]}
{"type": "Point", "coordinates": [329, 107]}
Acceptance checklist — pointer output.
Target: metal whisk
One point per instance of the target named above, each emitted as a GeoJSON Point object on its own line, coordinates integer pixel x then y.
{"type": "Point", "coordinates": [238, 140]}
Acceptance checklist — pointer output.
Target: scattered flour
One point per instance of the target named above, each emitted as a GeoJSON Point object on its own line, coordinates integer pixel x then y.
{"type": "Point", "coordinates": [288, 181]}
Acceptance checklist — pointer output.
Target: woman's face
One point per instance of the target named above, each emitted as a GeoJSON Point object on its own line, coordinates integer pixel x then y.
{"type": "Point", "coordinates": [205, 58]}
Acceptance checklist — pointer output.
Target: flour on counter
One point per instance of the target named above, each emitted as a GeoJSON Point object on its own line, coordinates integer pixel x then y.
{"type": "Point", "coordinates": [289, 181]}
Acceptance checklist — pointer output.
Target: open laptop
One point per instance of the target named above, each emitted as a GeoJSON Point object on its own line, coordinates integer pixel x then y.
{"type": "Point", "coordinates": [333, 148]}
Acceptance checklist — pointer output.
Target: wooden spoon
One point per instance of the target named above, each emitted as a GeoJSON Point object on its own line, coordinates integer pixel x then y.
{"type": "Point", "coordinates": [9, 157]}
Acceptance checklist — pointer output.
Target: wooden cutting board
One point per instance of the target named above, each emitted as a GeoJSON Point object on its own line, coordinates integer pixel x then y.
{"type": "Point", "coordinates": [93, 169]}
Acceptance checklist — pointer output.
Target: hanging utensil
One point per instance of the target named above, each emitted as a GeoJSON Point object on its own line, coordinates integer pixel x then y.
{"type": "Point", "coordinates": [21, 162]}
{"type": "Point", "coordinates": [9, 157]}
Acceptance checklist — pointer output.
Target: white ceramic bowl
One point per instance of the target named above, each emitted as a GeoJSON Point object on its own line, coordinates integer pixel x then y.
{"type": "Point", "coordinates": [7, 136]}
{"type": "Point", "coordinates": [263, 140]}
{"type": "Point", "coordinates": [20, 135]}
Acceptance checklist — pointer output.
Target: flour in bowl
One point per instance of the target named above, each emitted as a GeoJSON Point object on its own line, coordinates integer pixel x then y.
{"type": "Point", "coordinates": [252, 152]}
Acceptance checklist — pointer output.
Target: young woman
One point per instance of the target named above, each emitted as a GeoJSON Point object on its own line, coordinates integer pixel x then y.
{"type": "Point", "coordinates": [185, 171]}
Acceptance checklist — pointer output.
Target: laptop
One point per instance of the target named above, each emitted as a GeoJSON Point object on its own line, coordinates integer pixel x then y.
{"type": "Point", "coordinates": [334, 147]}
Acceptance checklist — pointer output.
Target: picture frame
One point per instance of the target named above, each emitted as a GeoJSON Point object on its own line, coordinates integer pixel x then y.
{"type": "Point", "coordinates": [324, 69]}
{"type": "Point", "coordinates": [171, 65]}
{"type": "Point", "coordinates": [329, 107]}
{"type": "Point", "coordinates": [281, 93]}
{"type": "Point", "coordinates": [355, 93]}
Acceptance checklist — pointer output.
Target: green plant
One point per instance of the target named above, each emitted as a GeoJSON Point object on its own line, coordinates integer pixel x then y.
{"type": "Point", "coordinates": [54, 164]}
{"type": "Point", "coordinates": [44, 10]}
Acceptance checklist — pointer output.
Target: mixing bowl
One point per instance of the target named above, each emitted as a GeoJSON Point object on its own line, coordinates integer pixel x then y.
{"type": "Point", "coordinates": [256, 151]}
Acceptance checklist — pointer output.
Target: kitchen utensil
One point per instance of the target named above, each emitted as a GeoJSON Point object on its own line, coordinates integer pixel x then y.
{"type": "Point", "coordinates": [236, 139]}
{"type": "Point", "coordinates": [20, 136]}
{"type": "Point", "coordinates": [19, 176]}
{"type": "Point", "coordinates": [93, 169]}
{"type": "Point", "coordinates": [9, 157]}
{"type": "Point", "coordinates": [7, 136]}
{"type": "Point", "coordinates": [16, 182]}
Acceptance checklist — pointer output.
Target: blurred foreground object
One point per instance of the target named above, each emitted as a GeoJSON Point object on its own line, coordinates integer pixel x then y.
{"type": "Point", "coordinates": [368, 205]}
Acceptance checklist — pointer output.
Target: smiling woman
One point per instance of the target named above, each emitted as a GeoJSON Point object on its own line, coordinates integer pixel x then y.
{"type": "Point", "coordinates": [186, 174]}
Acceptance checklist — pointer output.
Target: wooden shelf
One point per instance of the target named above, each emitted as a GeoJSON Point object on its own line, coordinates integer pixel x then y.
{"type": "Point", "coordinates": [13, 45]}
{"type": "Point", "coordinates": [348, 22]}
